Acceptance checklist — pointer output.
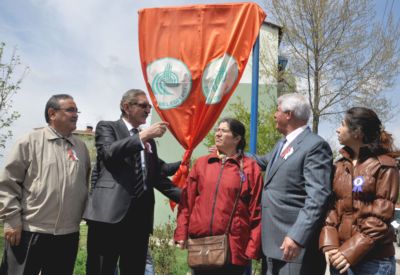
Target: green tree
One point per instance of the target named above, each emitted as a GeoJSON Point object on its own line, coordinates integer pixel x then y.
{"type": "Point", "coordinates": [9, 86]}
{"type": "Point", "coordinates": [267, 135]}
{"type": "Point", "coordinates": [341, 53]}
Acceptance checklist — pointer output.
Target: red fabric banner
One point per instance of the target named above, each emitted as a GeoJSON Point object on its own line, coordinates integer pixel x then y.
{"type": "Point", "coordinates": [192, 59]}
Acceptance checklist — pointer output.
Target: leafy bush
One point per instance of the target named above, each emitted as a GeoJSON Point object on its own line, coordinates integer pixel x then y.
{"type": "Point", "coordinates": [256, 267]}
{"type": "Point", "coordinates": [165, 253]}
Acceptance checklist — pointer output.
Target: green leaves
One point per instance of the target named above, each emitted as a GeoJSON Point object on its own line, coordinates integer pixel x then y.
{"type": "Point", "coordinates": [9, 86]}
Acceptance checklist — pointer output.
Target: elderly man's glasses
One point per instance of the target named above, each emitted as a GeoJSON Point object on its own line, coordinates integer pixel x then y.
{"type": "Point", "coordinates": [142, 105]}
{"type": "Point", "coordinates": [69, 110]}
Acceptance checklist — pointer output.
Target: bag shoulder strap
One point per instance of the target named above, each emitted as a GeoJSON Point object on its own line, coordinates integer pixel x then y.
{"type": "Point", "coordinates": [241, 172]}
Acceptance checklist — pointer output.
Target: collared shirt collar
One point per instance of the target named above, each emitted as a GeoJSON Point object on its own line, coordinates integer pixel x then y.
{"type": "Point", "coordinates": [52, 134]}
{"type": "Point", "coordinates": [129, 126]}
{"type": "Point", "coordinates": [292, 136]}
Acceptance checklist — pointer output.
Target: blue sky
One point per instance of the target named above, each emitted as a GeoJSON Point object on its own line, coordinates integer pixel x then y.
{"type": "Point", "coordinates": [89, 49]}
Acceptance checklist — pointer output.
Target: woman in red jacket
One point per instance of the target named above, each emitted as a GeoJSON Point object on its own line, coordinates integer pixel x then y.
{"type": "Point", "coordinates": [357, 237]}
{"type": "Point", "coordinates": [208, 199]}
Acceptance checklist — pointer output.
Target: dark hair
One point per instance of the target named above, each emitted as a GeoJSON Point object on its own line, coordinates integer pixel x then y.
{"type": "Point", "coordinates": [129, 97]}
{"type": "Point", "coordinates": [237, 128]}
{"type": "Point", "coordinates": [374, 136]}
{"type": "Point", "coordinates": [54, 102]}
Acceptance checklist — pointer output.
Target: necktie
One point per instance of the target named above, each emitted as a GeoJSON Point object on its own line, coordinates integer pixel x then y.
{"type": "Point", "coordinates": [138, 188]}
{"type": "Point", "coordinates": [278, 152]}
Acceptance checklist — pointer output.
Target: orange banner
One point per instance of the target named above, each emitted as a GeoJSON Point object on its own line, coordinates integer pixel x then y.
{"type": "Point", "coordinates": [192, 60]}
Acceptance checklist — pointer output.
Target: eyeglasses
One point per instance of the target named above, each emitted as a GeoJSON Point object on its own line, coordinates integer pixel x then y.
{"type": "Point", "coordinates": [142, 105]}
{"type": "Point", "coordinates": [224, 131]}
{"type": "Point", "coordinates": [69, 110]}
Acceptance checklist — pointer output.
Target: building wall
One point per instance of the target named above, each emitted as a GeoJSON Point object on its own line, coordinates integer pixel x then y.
{"type": "Point", "coordinates": [269, 50]}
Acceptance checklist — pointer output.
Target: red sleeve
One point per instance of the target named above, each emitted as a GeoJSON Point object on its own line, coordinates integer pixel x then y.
{"type": "Point", "coordinates": [188, 197]}
{"type": "Point", "coordinates": [253, 250]}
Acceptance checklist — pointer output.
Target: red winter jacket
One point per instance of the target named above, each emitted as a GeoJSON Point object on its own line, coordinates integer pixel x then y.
{"type": "Point", "coordinates": [207, 202]}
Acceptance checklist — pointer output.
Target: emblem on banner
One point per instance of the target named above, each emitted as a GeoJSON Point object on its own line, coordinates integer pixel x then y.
{"type": "Point", "coordinates": [218, 78]}
{"type": "Point", "coordinates": [171, 81]}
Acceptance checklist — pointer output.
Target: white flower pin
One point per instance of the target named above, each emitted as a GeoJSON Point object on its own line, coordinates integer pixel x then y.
{"type": "Point", "coordinates": [288, 151]}
{"type": "Point", "coordinates": [72, 154]}
{"type": "Point", "coordinates": [148, 147]}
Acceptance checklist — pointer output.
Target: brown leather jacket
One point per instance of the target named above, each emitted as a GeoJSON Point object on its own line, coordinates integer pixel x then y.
{"type": "Point", "coordinates": [358, 224]}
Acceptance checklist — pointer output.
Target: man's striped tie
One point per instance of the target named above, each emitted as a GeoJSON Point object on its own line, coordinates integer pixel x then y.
{"type": "Point", "coordinates": [138, 188]}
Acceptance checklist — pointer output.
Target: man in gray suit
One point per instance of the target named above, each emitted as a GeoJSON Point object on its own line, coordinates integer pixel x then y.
{"type": "Point", "coordinates": [296, 189]}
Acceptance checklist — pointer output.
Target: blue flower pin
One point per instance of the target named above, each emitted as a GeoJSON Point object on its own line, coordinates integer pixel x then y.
{"type": "Point", "coordinates": [358, 183]}
{"type": "Point", "coordinates": [242, 176]}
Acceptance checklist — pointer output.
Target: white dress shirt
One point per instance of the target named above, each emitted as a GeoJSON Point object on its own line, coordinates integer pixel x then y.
{"type": "Point", "coordinates": [290, 137]}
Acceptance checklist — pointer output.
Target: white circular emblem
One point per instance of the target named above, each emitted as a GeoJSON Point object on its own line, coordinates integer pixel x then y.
{"type": "Point", "coordinates": [171, 81]}
{"type": "Point", "coordinates": [218, 78]}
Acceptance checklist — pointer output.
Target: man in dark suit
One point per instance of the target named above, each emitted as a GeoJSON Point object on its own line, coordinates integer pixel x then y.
{"type": "Point", "coordinates": [121, 202]}
{"type": "Point", "coordinates": [296, 189]}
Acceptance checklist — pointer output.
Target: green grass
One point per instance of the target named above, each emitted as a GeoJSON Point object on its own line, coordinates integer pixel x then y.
{"type": "Point", "coordinates": [80, 263]}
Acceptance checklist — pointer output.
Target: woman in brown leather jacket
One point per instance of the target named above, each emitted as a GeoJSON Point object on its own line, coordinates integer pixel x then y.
{"type": "Point", "coordinates": [357, 237]}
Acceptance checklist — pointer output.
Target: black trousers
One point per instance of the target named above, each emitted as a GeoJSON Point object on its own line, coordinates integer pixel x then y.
{"type": "Point", "coordinates": [230, 269]}
{"type": "Point", "coordinates": [38, 252]}
{"type": "Point", "coordinates": [126, 240]}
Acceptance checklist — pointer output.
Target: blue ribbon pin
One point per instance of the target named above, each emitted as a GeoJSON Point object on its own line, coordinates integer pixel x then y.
{"type": "Point", "coordinates": [242, 176]}
{"type": "Point", "coordinates": [358, 183]}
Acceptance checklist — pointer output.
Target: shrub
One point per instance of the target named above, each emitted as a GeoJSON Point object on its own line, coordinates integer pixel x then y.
{"type": "Point", "coordinates": [162, 248]}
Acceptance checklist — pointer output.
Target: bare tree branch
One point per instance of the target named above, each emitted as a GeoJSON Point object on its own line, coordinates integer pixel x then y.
{"type": "Point", "coordinates": [345, 55]}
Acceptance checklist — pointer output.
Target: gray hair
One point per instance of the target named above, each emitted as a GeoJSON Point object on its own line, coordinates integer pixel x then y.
{"type": "Point", "coordinates": [295, 103]}
{"type": "Point", "coordinates": [130, 97]}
